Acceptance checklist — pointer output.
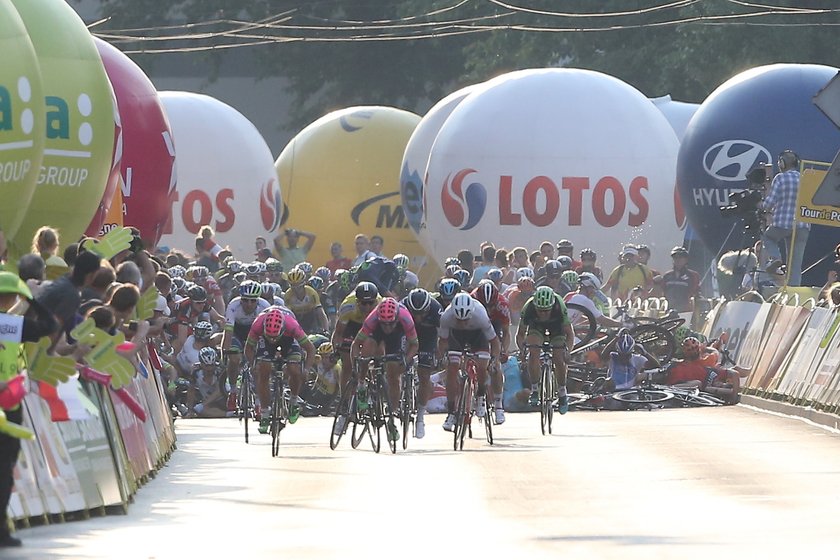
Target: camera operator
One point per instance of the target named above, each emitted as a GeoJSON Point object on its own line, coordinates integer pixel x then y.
{"type": "Point", "coordinates": [781, 203]}
{"type": "Point", "coordinates": [293, 255]}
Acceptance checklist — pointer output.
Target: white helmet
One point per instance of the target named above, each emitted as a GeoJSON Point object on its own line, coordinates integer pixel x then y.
{"type": "Point", "coordinates": [523, 272]}
{"type": "Point", "coordinates": [462, 306]}
{"type": "Point", "coordinates": [590, 280]}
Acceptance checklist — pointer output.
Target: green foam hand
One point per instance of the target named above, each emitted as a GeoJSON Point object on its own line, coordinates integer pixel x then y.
{"type": "Point", "coordinates": [14, 430]}
{"type": "Point", "coordinates": [146, 306]}
{"type": "Point", "coordinates": [103, 356]}
{"type": "Point", "coordinates": [49, 369]}
{"type": "Point", "coordinates": [113, 242]}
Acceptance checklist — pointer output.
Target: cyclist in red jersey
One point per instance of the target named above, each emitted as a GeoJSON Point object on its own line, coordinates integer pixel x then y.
{"type": "Point", "coordinates": [487, 293]}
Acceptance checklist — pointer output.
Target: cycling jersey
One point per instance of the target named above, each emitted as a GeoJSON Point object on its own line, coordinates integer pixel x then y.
{"type": "Point", "coordinates": [349, 312]}
{"type": "Point", "coordinates": [679, 287]}
{"type": "Point", "coordinates": [580, 299]}
{"type": "Point", "coordinates": [381, 271]}
{"type": "Point", "coordinates": [405, 325]}
{"type": "Point", "coordinates": [558, 317]}
{"type": "Point", "coordinates": [238, 321]}
{"type": "Point", "coordinates": [478, 321]}
{"type": "Point", "coordinates": [188, 356]}
{"type": "Point", "coordinates": [687, 370]}
{"type": "Point", "coordinates": [431, 318]}
{"type": "Point", "coordinates": [291, 329]}
{"type": "Point", "coordinates": [623, 371]}
{"type": "Point", "coordinates": [184, 312]}
{"type": "Point", "coordinates": [302, 303]}
{"type": "Point", "coordinates": [499, 312]}
{"type": "Point", "coordinates": [516, 298]}
{"type": "Point", "coordinates": [209, 283]}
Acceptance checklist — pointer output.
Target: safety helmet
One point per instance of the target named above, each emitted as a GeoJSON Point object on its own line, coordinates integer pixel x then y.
{"type": "Point", "coordinates": [178, 284]}
{"type": "Point", "coordinates": [679, 251]}
{"type": "Point", "coordinates": [451, 269]}
{"type": "Point", "coordinates": [203, 330]}
{"type": "Point", "coordinates": [239, 277]}
{"type": "Point", "coordinates": [306, 267]}
{"type": "Point", "coordinates": [680, 333]}
{"type": "Point", "coordinates": [273, 265]}
{"type": "Point", "coordinates": [494, 274]}
{"type": "Point", "coordinates": [625, 343]}
{"type": "Point", "coordinates": [691, 346]}
{"type": "Point", "coordinates": [452, 260]}
{"type": "Point", "coordinates": [571, 278]}
{"type": "Point", "coordinates": [234, 266]}
{"type": "Point", "coordinates": [387, 310]}
{"type": "Point", "coordinates": [366, 291]}
{"type": "Point", "coordinates": [197, 271]}
{"type": "Point", "coordinates": [462, 276]}
{"type": "Point", "coordinates": [325, 348]}
{"type": "Point", "coordinates": [565, 261]}
{"type": "Point", "coordinates": [208, 356]}
{"type": "Point", "coordinates": [250, 289]}
{"type": "Point", "coordinates": [589, 280]}
{"type": "Point", "coordinates": [526, 283]}
{"type": "Point", "coordinates": [261, 267]}
{"type": "Point", "coordinates": [544, 297]}
{"type": "Point", "coordinates": [267, 291]}
{"type": "Point", "coordinates": [553, 268]}
{"type": "Point", "coordinates": [418, 300]}
{"type": "Point", "coordinates": [524, 271]}
{"type": "Point", "coordinates": [296, 276]}
{"type": "Point", "coordinates": [177, 271]}
{"type": "Point", "coordinates": [588, 253]}
{"type": "Point", "coordinates": [324, 273]}
{"type": "Point", "coordinates": [564, 244]}
{"type": "Point", "coordinates": [197, 294]}
{"type": "Point", "coordinates": [316, 282]}
{"type": "Point", "coordinates": [252, 269]}
{"type": "Point", "coordinates": [345, 279]}
{"type": "Point", "coordinates": [463, 306]}
{"type": "Point", "coordinates": [487, 292]}
{"type": "Point", "coordinates": [401, 261]}
{"type": "Point", "coordinates": [273, 324]}
{"type": "Point", "coordinates": [449, 287]}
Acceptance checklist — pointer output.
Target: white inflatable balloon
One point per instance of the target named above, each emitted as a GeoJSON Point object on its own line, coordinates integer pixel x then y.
{"type": "Point", "coordinates": [678, 113]}
{"type": "Point", "coordinates": [553, 153]}
{"type": "Point", "coordinates": [226, 177]}
{"type": "Point", "coordinates": [416, 157]}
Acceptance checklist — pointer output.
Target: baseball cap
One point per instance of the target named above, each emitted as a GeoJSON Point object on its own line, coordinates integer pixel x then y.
{"type": "Point", "coordinates": [160, 305]}
{"type": "Point", "coordinates": [630, 250]}
{"type": "Point", "coordinates": [10, 283]}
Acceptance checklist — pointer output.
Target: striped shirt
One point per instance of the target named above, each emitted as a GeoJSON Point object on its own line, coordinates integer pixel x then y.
{"type": "Point", "coordinates": [782, 200]}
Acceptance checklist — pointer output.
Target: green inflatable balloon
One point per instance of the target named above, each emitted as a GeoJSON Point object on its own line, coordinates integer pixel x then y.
{"type": "Point", "coordinates": [22, 130]}
{"type": "Point", "coordinates": [79, 123]}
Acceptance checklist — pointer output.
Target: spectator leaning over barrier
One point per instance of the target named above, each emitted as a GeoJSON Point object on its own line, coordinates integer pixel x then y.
{"type": "Point", "coordinates": [63, 296]}
{"type": "Point", "coordinates": [16, 299]}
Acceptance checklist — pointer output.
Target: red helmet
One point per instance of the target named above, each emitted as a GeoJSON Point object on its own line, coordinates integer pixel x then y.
{"type": "Point", "coordinates": [273, 325]}
{"type": "Point", "coordinates": [691, 346]}
{"type": "Point", "coordinates": [387, 310]}
{"type": "Point", "coordinates": [526, 284]}
{"type": "Point", "coordinates": [487, 292]}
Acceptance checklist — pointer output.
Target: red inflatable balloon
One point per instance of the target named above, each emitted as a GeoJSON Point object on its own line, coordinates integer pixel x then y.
{"type": "Point", "coordinates": [97, 226]}
{"type": "Point", "coordinates": [148, 157]}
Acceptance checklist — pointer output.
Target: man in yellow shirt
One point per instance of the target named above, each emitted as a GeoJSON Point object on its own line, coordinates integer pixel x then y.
{"type": "Point", "coordinates": [628, 275]}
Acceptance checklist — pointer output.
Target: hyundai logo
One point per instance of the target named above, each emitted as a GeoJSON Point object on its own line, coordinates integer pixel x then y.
{"type": "Point", "coordinates": [731, 160]}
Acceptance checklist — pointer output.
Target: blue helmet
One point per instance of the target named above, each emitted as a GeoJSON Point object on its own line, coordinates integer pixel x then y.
{"type": "Point", "coordinates": [449, 287]}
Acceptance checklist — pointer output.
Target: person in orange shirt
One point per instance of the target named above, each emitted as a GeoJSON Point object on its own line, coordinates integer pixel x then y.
{"type": "Point", "coordinates": [700, 368]}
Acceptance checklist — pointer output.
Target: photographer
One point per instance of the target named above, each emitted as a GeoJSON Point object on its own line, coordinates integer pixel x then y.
{"type": "Point", "coordinates": [781, 203]}
{"type": "Point", "coordinates": [292, 254]}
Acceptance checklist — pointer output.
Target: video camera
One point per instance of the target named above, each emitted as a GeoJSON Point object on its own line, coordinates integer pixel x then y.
{"type": "Point", "coordinates": [745, 204]}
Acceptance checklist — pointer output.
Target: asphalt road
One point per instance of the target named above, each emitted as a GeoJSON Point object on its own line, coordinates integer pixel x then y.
{"type": "Point", "coordinates": [696, 483]}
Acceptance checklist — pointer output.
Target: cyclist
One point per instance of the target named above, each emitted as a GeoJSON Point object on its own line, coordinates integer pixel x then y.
{"type": "Point", "coordinates": [381, 272]}
{"type": "Point", "coordinates": [544, 316]}
{"type": "Point", "coordinates": [383, 332]}
{"type": "Point", "coordinates": [681, 284]}
{"type": "Point", "coordinates": [697, 370]}
{"type": "Point", "coordinates": [628, 275]}
{"type": "Point", "coordinates": [206, 392]}
{"type": "Point", "coordinates": [565, 248]}
{"type": "Point", "coordinates": [277, 332]}
{"type": "Point", "coordinates": [517, 294]}
{"type": "Point", "coordinates": [449, 288]}
{"type": "Point", "coordinates": [426, 311]}
{"type": "Point", "coordinates": [189, 352]}
{"type": "Point", "coordinates": [351, 314]}
{"type": "Point", "coordinates": [463, 324]}
{"type": "Point", "coordinates": [550, 275]}
{"type": "Point", "coordinates": [626, 367]}
{"type": "Point", "coordinates": [304, 301]}
{"type": "Point", "coordinates": [201, 275]}
{"type": "Point", "coordinates": [189, 311]}
{"type": "Point", "coordinates": [587, 296]}
{"type": "Point", "coordinates": [487, 294]}
{"type": "Point", "coordinates": [588, 257]}
{"type": "Point", "coordinates": [322, 388]}
{"type": "Point", "coordinates": [239, 316]}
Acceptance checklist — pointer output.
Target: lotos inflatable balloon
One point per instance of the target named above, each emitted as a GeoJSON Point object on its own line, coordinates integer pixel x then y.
{"type": "Point", "coordinates": [79, 123]}
{"type": "Point", "coordinates": [747, 121]}
{"type": "Point", "coordinates": [22, 131]}
{"type": "Point", "coordinates": [547, 154]}
{"type": "Point", "coordinates": [677, 113]}
{"type": "Point", "coordinates": [224, 170]}
{"type": "Point", "coordinates": [340, 176]}
{"type": "Point", "coordinates": [148, 154]}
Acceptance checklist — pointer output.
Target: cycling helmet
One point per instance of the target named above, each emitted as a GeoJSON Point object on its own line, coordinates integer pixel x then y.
{"type": "Point", "coordinates": [625, 343]}
{"type": "Point", "coordinates": [680, 333]}
{"type": "Point", "coordinates": [571, 278]}
{"type": "Point", "coordinates": [565, 244]}
{"type": "Point", "coordinates": [239, 277]}
{"type": "Point", "coordinates": [306, 267]}
{"type": "Point", "coordinates": [487, 292]}
{"type": "Point", "coordinates": [410, 280]}
{"type": "Point", "coordinates": [523, 272]}
{"type": "Point", "coordinates": [234, 266]}
{"type": "Point", "coordinates": [296, 276]}
{"type": "Point", "coordinates": [418, 300]}
{"type": "Point", "coordinates": [643, 248]}
{"type": "Point", "coordinates": [565, 261]}
{"type": "Point", "coordinates": [452, 260]}
{"type": "Point", "coordinates": [401, 260]}
{"type": "Point", "coordinates": [178, 284]}
{"type": "Point", "coordinates": [203, 330]}
{"type": "Point", "coordinates": [177, 271]}
{"type": "Point", "coordinates": [366, 291]}
{"type": "Point", "coordinates": [387, 310]}
{"type": "Point", "coordinates": [495, 274]}
{"type": "Point", "coordinates": [691, 347]}
{"type": "Point", "coordinates": [345, 279]}
{"type": "Point", "coordinates": [273, 265]}
{"type": "Point", "coordinates": [325, 348]}
{"type": "Point", "coordinates": [589, 280]}
{"type": "Point", "coordinates": [462, 306]}
{"type": "Point", "coordinates": [544, 297]}
{"type": "Point", "coordinates": [451, 269]}
{"type": "Point", "coordinates": [267, 291]}
{"type": "Point", "coordinates": [197, 294]}
{"type": "Point", "coordinates": [553, 268]}
{"type": "Point", "coordinates": [250, 289]}
{"type": "Point", "coordinates": [588, 253]}
{"type": "Point", "coordinates": [261, 267]}
{"type": "Point", "coordinates": [449, 287]}
{"type": "Point", "coordinates": [252, 269]}
{"type": "Point", "coordinates": [526, 284]}
{"type": "Point", "coordinates": [324, 273]}
{"type": "Point", "coordinates": [462, 276]}
{"type": "Point", "coordinates": [273, 325]}
{"type": "Point", "coordinates": [679, 251]}
{"type": "Point", "coordinates": [197, 271]}
{"type": "Point", "coordinates": [316, 282]}
{"type": "Point", "coordinates": [208, 356]}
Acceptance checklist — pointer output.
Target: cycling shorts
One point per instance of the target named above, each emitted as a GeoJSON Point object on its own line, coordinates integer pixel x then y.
{"type": "Point", "coordinates": [286, 346]}
{"type": "Point", "coordinates": [473, 339]}
{"type": "Point", "coordinates": [350, 331]}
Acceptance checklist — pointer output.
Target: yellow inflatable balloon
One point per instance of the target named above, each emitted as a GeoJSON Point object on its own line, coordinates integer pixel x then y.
{"type": "Point", "coordinates": [340, 176]}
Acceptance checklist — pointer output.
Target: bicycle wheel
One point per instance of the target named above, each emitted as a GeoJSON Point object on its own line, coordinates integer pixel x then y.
{"type": "Point", "coordinates": [407, 407]}
{"type": "Point", "coordinates": [703, 399]}
{"type": "Point", "coordinates": [546, 398]}
{"type": "Point", "coordinates": [643, 396]}
{"type": "Point", "coordinates": [245, 399]}
{"type": "Point", "coordinates": [488, 422]}
{"type": "Point", "coordinates": [461, 415]}
{"type": "Point", "coordinates": [583, 323]}
{"type": "Point", "coordinates": [656, 340]}
{"type": "Point", "coordinates": [376, 421]}
{"type": "Point", "coordinates": [345, 405]}
{"type": "Point", "coordinates": [279, 413]}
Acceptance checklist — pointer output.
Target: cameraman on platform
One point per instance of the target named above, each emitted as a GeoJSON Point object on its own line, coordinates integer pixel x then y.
{"type": "Point", "coordinates": [781, 203]}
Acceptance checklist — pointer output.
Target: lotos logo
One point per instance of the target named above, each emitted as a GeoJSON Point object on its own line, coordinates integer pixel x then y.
{"type": "Point", "coordinates": [730, 160]}
{"type": "Point", "coordinates": [270, 210]}
{"type": "Point", "coordinates": [463, 208]}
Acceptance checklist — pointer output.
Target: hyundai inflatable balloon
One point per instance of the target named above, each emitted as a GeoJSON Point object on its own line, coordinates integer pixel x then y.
{"type": "Point", "coordinates": [547, 154]}
{"type": "Point", "coordinates": [78, 152]}
{"type": "Point", "coordinates": [148, 153]}
{"type": "Point", "coordinates": [340, 177]}
{"type": "Point", "coordinates": [225, 175]}
{"type": "Point", "coordinates": [22, 129]}
{"type": "Point", "coordinates": [746, 122]}
{"type": "Point", "coordinates": [416, 157]}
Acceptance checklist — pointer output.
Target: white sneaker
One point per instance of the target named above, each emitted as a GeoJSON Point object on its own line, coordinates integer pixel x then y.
{"type": "Point", "coordinates": [480, 407]}
{"type": "Point", "coordinates": [338, 429]}
{"type": "Point", "coordinates": [420, 428]}
{"type": "Point", "coordinates": [500, 416]}
{"type": "Point", "coordinates": [449, 423]}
